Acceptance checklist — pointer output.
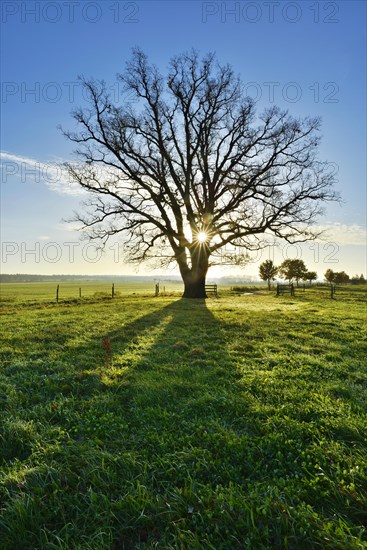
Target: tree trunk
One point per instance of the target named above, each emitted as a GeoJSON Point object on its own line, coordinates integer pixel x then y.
{"type": "Point", "coordinates": [194, 278]}
{"type": "Point", "coordinates": [195, 289]}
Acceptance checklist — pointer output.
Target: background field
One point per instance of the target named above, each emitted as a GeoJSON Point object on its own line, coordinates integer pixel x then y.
{"type": "Point", "coordinates": [20, 293]}
{"type": "Point", "coordinates": [46, 291]}
{"type": "Point", "coordinates": [168, 423]}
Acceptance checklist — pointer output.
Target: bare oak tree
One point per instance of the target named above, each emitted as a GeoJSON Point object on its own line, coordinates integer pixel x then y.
{"type": "Point", "coordinates": [189, 169]}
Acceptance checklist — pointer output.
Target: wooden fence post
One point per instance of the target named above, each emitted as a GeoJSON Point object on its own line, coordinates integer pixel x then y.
{"type": "Point", "coordinates": [113, 290]}
{"type": "Point", "coordinates": [332, 288]}
{"type": "Point", "coordinates": [80, 292]}
{"type": "Point", "coordinates": [57, 293]}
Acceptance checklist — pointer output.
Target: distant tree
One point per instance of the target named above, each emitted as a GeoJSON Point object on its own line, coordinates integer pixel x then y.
{"type": "Point", "coordinates": [190, 168]}
{"type": "Point", "coordinates": [310, 276]}
{"type": "Point", "coordinates": [268, 271]}
{"type": "Point", "coordinates": [361, 279]}
{"type": "Point", "coordinates": [329, 276]}
{"type": "Point", "coordinates": [293, 269]}
{"type": "Point", "coordinates": [341, 277]}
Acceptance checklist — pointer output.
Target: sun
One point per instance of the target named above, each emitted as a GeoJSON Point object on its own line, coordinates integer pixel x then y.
{"type": "Point", "coordinates": [202, 237]}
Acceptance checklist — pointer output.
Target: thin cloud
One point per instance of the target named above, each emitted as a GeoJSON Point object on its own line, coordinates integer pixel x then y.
{"type": "Point", "coordinates": [51, 174]}
{"type": "Point", "coordinates": [71, 227]}
{"type": "Point", "coordinates": [343, 234]}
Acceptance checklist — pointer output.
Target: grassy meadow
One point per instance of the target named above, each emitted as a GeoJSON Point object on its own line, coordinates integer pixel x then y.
{"type": "Point", "coordinates": [141, 422]}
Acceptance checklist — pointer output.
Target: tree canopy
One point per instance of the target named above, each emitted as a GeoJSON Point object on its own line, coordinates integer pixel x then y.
{"type": "Point", "coordinates": [329, 276]}
{"type": "Point", "coordinates": [310, 276]}
{"type": "Point", "coordinates": [293, 269]}
{"type": "Point", "coordinates": [339, 277]}
{"type": "Point", "coordinates": [268, 271]}
{"type": "Point", "coordinates": [190, 167]}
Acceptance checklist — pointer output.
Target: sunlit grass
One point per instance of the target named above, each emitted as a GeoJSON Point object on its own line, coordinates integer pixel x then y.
{"type": "Point", "coordinates": [239, 422]}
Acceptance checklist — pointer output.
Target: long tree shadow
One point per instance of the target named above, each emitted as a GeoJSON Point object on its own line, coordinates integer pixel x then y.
{"type": "Point", "coordinates": [186, 371]}
{"type": "Point", "coordinates": [165, 373]}
{"type": "Point", "coordinates": [183, 351]}
{"type": "Point", "coordinates": [188, 421]}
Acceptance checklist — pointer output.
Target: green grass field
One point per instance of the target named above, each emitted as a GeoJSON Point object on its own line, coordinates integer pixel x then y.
{"type": "Point", "coordinates": [135, 423]}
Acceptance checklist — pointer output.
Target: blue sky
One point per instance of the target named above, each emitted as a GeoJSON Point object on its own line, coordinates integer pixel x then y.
{"type": "Point", "coordinates": [308, 57]}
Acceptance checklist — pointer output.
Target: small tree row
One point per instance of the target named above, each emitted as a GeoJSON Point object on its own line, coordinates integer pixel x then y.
{"type": "Point", "coordinates": [340, 277]}
{"type": "Point", "coordinates": [291, 270]}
